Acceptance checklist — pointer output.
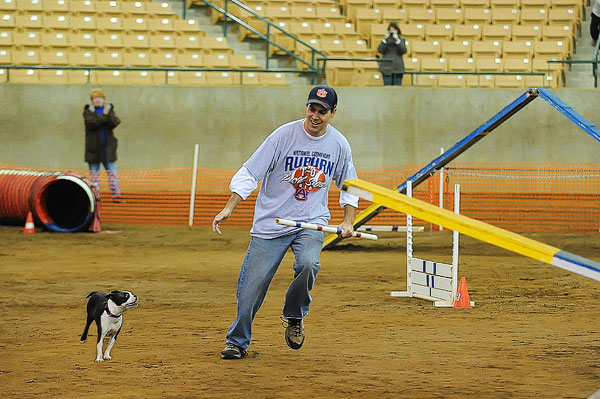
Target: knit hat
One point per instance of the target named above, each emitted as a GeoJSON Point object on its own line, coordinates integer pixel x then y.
{"type": "Point", "coordinates": [97, 93]}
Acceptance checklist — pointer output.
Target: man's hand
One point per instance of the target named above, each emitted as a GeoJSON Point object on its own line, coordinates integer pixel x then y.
{"type": "Point", "coordinates": [222, 216]}
{"type": "Point", "coordinates": [347, 229]}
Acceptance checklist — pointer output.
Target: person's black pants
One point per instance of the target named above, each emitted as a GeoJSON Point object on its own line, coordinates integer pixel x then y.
{"type": "Point", "coordinates": [595, 26]}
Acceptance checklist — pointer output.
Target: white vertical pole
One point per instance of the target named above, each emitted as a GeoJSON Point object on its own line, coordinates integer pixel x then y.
{"type": "Point", "coordinates": [455, 239]}
{"type": "Point", "coordinates": [441, 186]}
{"type": "Point", "coordinates": [409, 241]}
{"type": "Point", "coordinates": [193, 189]}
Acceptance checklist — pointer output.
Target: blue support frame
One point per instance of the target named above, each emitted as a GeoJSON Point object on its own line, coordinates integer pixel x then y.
{"type": "Point", "coordinates": [480, 133]}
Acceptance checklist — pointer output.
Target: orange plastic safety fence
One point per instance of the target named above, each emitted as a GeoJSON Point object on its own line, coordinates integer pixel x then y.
{"type": "Point", "coordinates": [522, 197]}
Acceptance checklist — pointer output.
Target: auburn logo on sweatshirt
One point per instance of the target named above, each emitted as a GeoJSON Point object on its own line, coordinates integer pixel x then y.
{"type": "Point", "coordinates": [305, 180]}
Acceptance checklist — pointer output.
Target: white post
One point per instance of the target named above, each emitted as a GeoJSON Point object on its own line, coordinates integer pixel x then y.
{"type": "Point", "coordinates": [193, 190]}
{"type": "Point", "coordinates": [409, 249]}
{"type": "Point", "coordinates": [441, 186]}
{"type": "Point", "coordinates": [455, 239]}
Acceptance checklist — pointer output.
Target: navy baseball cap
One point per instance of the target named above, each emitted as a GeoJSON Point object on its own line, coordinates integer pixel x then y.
{"type": "Point", "coordinates": [323, 95]}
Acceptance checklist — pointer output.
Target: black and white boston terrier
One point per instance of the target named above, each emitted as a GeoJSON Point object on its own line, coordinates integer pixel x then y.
{"type": "Point", "coordinates": [107, 311]}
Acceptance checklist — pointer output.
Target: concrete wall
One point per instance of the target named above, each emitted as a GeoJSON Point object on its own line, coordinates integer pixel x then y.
{"type": "Point", "coordinates": [43, 126]}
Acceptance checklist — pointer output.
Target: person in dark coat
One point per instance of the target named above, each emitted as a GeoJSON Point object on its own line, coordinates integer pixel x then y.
{"type": "Point", "coordinates": [100, 141]}
{"type": "Point", "coordinates": [392, 47]}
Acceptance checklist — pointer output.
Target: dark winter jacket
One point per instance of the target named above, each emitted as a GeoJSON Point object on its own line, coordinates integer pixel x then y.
{"type": "Point", "coordinates": [388, 48]}
{"type": "Point", "coordinates": [94, 124]}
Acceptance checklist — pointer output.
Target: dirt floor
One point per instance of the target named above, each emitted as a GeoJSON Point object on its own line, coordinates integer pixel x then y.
{"type": "Point", "coordinates": [535, 330]}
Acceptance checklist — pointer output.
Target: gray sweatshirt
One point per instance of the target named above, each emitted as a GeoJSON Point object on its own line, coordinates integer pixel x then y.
{"type": "Point", "coordinates": [297, 170]}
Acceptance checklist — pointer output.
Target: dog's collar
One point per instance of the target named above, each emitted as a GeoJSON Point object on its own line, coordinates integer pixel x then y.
{"type": "Point", "coordinates": [110, 314]}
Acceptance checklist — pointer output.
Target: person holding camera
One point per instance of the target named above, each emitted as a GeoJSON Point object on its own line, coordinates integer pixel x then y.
{"type": "Point", "coordinates": [392, 47]}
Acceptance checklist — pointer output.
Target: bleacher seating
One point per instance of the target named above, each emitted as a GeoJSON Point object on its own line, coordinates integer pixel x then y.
{"type": "Point", "coordinates": [98, 33]}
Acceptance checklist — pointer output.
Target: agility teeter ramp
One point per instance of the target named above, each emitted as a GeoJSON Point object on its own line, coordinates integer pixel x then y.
{"type": "Point", "coordinates": [466, 143]}
{"type": "Point", "coordinates": [473, 228]}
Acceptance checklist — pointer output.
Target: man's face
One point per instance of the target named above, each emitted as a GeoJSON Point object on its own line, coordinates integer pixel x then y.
{"type": "Point", "coordinates": [98, 101]}
{"type": "Point", "coordinates": [317, 118]}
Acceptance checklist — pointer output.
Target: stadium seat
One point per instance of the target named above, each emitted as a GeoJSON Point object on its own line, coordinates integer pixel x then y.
{"type": "Point", "coordinates": [160, 9]}
{"type": "Point", "coordinates": [496, 32]}
{"type": "Point", "coordinates": [430, 64]}
{"type": "Point", "coordinates": [191, 60]}
{"type": "Point", "coordinates": [304, 14]}
{"type": "Point", "coordinates": [350, 7]}
{"type": "Point", "coordinates": [455, 49]}
{"type": "Point", "coordinates": [511, 4]}
{"type": "Point", "coordinates": [217, 61]}
{"type": "Point", "coordinates": [144, 78]}
{"type": "Point", "coordinates": [518, 49]}
{"type": "Point", "coordinates": [110, 24]}
{"type": "Point", "coordinates": [107, 77]}
{"type": "Point", "coordinates": [378, 32]}
{"type": "Point", "coordinates": [137, 58]}
{"type": "Point", "coordinates": [323, 30]}
{"type": "Point", "coordinates": [26, 57]}
{"type": "Point", "coordinates": [84, 23]}
{"type": "Point", "coordinates": [412, 63]}
{"type": "Point", "coordinates": [478, 4]}
{"type": "Point", "coordinates": [187, 78]}
{"type": "Point", "coordinates": [425, 49]}
{"type": "Point", "coordinates": [488, 64]}
{"type": "Point", "coordinates": [421, 16]}
{"type": "Point", "coordinates": [486, 48]}
{"type": "Point", "coordinates": [27, 76]}
{"type": "Point", "coordinates": [54, 76]}
{"type": "Point", "coordinates": [134, 8]}
{"type": "Point", "coordinates": [164, 59]}
{"type": "Point", "coordinates": [364, 18]}
{"type": "Point", "coordinates": [478, 16]}
{"type": "Point", "coordinates": [110, 41]}
{"type": "Point", "coordinates": [83, 58]}
{"type": "Point", "coordinates": [7, 21]}
{"type": "Point", "coordinates": [8, 5]}
{"type": "Point", "coordinates": [334, 47]}
{"type": "Point", "coordinates": [425, 80]}
{"type": "Point", "coordinates": [111, 58]}
{"type": "Point", "coordinates": [222, 78]}
{"type": "Point", "coordinates": [449, 16]}
{"type": "Point", "coordinates": [468, 32]}
{"type": "Point", "coordinates": [191, 42]}
{"type": "Point", "coordinates": [7, 39]}
{"type": "Point", "coordinates": [136, 24]}
{"type": "Point", "coordinates": [526, 32]}
{"type": "Point", "coordinates": [243, 61]}
{"type": "Point", "coordinates": [438, 32]}
{"type": "Point", "coordinates": [59, 57]}
{"type": "Point", "coordinates": [339, 73]}
{"type": "Point", "coordinates": [273, 79]}
{"type": "Point", "coordinates": [384, 5]}
{"type": "Point", "coordinates": [534, 16]}
{"type": "Point", "coordinates": [109, 8]}
{"type": "Point", "coordinates": [559, 33]}
{"type": "Point", "coordinates": [161, 25]}
{"type": "Point", "coordinates": [535, 4]}
{"type": "Point", "coordinates": [516, 64]}
{"type": "Point", "coordinates": [551, 49]}
{"type": "Point", "coordinates": [452, 81]}
{"type": "Point", "coordinates": [461, 65]}
{"type": "Point", "coordinates": [538, 81]}
{"type": "Point", "coordinates": [28, 39]}
{"type": "Point", "coordinates": [136, 42]}
{"type": "Point", "coordinates": [163, 42]}
{"type": "Point", "coordinates": [82, 7]}
{"type": "Point", "coordinates": [6, 56]}
{"type": "Point", "coordinates": [393, 15]}
{"type": "Point", "coordinates": [216, 44]}
{"type": "Point", "coordinates": [3, 75]}
{"type": "Point", "coordinates": [30, 6]}
{"type": "Point", "coordinates": [357, 48]}
{"type": "Point", "coordinates": [480, 81]}
{"type": "Point", "coordinates": [441, 4]}
{"type": "Point", "coordinates": [509, 82]}
{"type": "Point", "coordinates": [412, 32]}
{"type": "Point", "coordinates": [188, 27]}
{"type": "Point", "coordinates": [563, 16]}
{"type": "Point", "coordinates": [366, 79]}
{"type": "Point", "coordinates": [52, 7]}
{"type": "Point", "coordinates": [29, 22]}
{"type": "Point", "coordinates": [505, 16]}
{"type": "Point", "coordinates": [346, 30]}
{"type": "Point", "coordinates": [57, 22]}
{"type": "Point", "coordinates": [412, 4]}
{"type": "Point", "coordinates": [329, 14]}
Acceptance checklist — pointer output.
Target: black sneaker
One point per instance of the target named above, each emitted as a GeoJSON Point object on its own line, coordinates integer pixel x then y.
{"type": "Point", "coordinates": [294, 332]}
{"type": "Point", "coordinates": [233, 352]}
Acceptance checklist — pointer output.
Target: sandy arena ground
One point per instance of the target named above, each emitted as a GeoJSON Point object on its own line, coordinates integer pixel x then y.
{"type": "Point", "coordinates": [535, 330]}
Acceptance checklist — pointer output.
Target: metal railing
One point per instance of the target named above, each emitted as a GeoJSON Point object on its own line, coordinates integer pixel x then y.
{"type": "Point", "coordinates": [594, 63]}
{"type": "Point", "coordinates": [147, 69]}
{"type": "Point", "coordinates": [312, 67]}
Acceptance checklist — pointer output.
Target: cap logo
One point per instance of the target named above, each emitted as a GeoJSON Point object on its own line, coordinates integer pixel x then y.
{"type": "Point", "coordinates": [322, 93]}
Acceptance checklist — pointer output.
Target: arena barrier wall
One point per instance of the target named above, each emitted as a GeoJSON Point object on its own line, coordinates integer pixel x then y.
{"type": "Point", "coordinates": [60, 201]}
{"type": "Point", "coordinates": [521, 197]}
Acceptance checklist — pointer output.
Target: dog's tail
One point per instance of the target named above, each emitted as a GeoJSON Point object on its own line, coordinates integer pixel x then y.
{"type": "Point", "coordinates": [91, 293]}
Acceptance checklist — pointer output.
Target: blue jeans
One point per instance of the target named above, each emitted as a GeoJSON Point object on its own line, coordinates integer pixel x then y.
{"type": "Point", "coordinates": [392, 79]}
{"type": "Point", "coordinates": [113, 176]}
{"type": "Point", "coordinates": [260, 264]}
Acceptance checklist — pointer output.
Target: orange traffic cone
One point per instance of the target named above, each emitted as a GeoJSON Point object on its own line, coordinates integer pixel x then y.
{"type": "Point", "coordinates": [462, 296]}
{"type": "Point", "coordinates": [29, 226]}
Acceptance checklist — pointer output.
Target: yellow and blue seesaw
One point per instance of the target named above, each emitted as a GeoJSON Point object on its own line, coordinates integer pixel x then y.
{"type": "Point", "coordinates": [473, 228]}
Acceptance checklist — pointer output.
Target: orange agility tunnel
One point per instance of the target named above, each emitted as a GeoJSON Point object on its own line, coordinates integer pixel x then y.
{"type": "Point", "coordinates": [59, 201]}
